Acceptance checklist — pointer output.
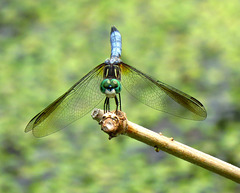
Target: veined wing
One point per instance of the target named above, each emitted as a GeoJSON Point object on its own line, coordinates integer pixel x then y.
{"type": "Point", "coordinates": [161, 96]}
{"type": "Point", "coordinates": [81, 98]}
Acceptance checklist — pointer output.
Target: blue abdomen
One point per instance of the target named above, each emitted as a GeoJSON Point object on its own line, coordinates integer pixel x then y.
{"type": "Point", "coordinates": [116, 43]}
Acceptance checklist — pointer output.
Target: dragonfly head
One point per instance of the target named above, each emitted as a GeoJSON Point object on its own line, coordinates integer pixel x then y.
{"type": "Point", "coordinates": [110, 87]}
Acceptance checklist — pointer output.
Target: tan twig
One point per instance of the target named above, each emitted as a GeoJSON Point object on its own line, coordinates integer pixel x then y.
{"type": "Point", "coordinates": [160, 142]}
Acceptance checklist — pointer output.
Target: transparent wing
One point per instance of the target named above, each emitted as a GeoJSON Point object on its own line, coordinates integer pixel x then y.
{"type": "Point", "coordinates": [75, 103]}
{"type": "Point", "coordinates": [161, 96]}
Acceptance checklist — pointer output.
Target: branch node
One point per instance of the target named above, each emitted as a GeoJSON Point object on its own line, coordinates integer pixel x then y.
{"type": "Point", "coordinates": [171, 138]}
{"type": "Point", "coordinates": [156, 148]}
{"type": "Point", "coordinates": [113, 123]}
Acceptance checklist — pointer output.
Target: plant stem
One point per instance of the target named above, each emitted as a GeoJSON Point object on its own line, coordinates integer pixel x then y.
{"type": "Point", "coordinates": [166, 144]}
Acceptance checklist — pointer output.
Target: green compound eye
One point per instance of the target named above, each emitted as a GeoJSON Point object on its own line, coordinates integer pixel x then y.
{"type": "Point", "coordinates": [110, 85]}
{"type": "Point", "coordinates": [116, 85]}
{"type": "Point", "coordinates": [105, 85]}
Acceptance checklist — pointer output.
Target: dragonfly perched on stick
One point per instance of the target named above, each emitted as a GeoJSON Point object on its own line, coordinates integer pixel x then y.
{"type": "Point", "coordinates": [107, 80]}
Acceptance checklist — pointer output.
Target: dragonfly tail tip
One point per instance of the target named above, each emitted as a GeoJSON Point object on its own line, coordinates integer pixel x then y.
{"type": "Point", "coordinates": [113, 29]}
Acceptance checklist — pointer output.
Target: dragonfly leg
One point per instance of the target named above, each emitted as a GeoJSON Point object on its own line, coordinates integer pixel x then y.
{"type": "Point", "coordinates": [117, 103]}
{"type": "Point", "coordinates": [106, 105]}
{"type": "Point", "coordinates": [120, 103]}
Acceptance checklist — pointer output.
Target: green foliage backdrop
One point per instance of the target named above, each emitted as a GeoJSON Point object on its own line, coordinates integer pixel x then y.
{"type": "Point", "coordinates": [46, 46]}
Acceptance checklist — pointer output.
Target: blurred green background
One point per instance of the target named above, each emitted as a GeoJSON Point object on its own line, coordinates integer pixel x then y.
{"type": "Point", "coordinates": [46, 46]}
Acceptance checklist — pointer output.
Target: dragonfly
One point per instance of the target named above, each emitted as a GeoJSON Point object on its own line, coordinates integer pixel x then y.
{"type": "Point", "coordinates": [106, 81]}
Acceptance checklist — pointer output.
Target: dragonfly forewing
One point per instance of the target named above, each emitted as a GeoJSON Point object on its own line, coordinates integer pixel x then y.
{"type": "Point", "coordinates": [161, 96]}
{"type": "Point", "coordinates": [74, 104]}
